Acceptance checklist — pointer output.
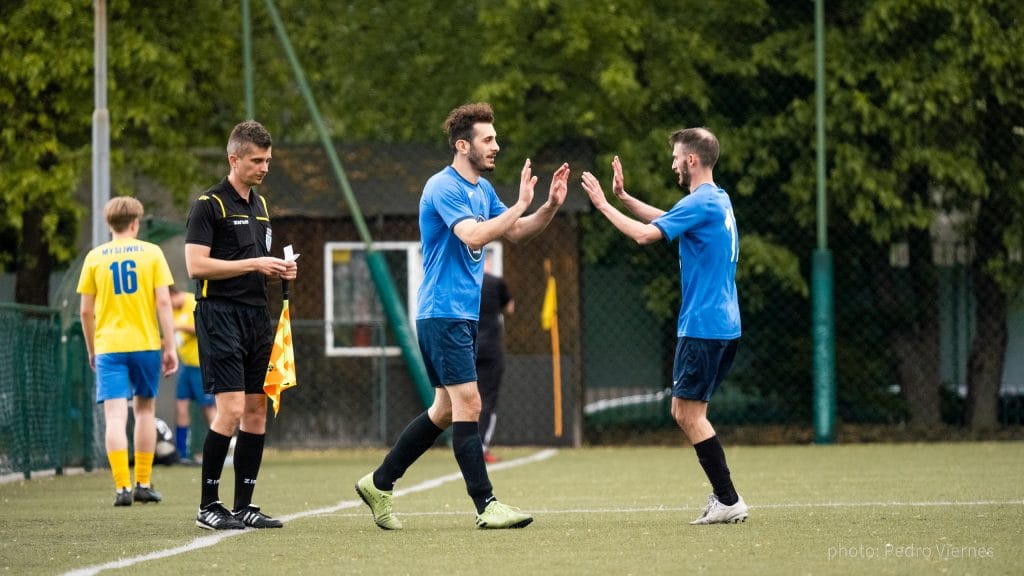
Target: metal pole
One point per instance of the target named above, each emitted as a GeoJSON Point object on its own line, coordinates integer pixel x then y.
{"type": "Point", "coordinates": [823, 331]}
{"type": "Point", "coordinates": [100, 130]}
{"type": "Point", "coordinates": [393, 306]}
{"type": "Point", "coordinates": [250, 98]}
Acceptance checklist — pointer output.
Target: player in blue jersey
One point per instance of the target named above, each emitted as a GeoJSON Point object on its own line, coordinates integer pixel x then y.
{"type": "Point", "coordinates": [459, 214]}
{"type": "Point", "coordinates": [709, 317]}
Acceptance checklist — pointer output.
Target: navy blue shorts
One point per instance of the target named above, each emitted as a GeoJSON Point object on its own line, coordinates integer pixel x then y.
{"type": "Point", "coordinates": [234, 346]}
{"type": "Point", "coordinates": [701, 366]}
{"type": "Point", "coordinates": [449, 349]}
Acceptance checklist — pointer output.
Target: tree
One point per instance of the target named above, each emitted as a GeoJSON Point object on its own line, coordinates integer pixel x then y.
{"type": "Point", "coordinates": [169, 91]}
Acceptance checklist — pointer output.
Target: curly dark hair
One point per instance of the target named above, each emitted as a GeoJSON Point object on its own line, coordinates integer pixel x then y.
{"type": "Point", "coordinates": [459, 124]}
{"type": "Point", "coordinates": [247, 135]}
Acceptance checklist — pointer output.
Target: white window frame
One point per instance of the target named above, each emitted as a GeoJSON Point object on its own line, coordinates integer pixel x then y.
{"type": "Point", "coordinates": [414, 271]}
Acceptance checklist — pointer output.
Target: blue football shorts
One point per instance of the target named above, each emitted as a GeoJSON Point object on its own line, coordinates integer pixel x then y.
{"type": "Point", "coordinates": [127, 374]}
{"type": "Point", "coordinates": [700, 367]}
{"type": "Point", "coordinates": [190, 386]}
{"type": "Point", "coordinates": [449, 349]}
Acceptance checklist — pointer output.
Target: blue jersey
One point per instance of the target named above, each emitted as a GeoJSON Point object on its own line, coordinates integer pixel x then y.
{"type": "Point", "coordinates": [452, 273]}
{"type": "Point", "coordinates": [709, 245]}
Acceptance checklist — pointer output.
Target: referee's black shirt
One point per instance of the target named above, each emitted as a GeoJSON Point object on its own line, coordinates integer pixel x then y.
{"type": "Point", "coordinates": [234, 230]}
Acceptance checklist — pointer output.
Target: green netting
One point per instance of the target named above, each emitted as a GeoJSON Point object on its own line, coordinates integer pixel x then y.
{"type": "Point", "coordinates": [32, 395]}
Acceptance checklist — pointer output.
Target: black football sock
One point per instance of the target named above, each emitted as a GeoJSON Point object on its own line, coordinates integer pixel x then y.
{"type": "Point", "coordinates": [469, 453]}
{"type": "Point", "coordinates": [248, 458]}
{"type": "Point", "coordinates": [712, 459]}
{"type": "Point", "coordinates": [418, 436]}
{"type": "Point", "coordinates": [215, 450]}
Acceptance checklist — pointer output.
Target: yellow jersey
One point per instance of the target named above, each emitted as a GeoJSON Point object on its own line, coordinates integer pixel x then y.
{"type": "Point", "coordinates": [188, 344]}
{"type": "Point", "coordinates": [122, 275]}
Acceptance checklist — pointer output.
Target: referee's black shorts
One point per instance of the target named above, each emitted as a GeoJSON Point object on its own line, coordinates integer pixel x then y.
{"type": "Point", "coordinates": [235, 341]}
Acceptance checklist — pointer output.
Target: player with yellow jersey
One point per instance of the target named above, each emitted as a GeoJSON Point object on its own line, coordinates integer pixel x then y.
{"type": "Point", "coordinates": [190, 377]}
{"type": "Point", "coordinates": [129, 333]}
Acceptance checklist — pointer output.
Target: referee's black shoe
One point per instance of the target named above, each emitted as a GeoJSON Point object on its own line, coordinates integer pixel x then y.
{"type": "Point", "coordinates": [253, 518]}
{"type": "Point", "coordinates": [214, 516]}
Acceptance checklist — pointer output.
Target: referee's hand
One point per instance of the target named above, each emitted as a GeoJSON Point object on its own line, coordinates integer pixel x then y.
{"type": "Point", "coordinates": [276, 267]}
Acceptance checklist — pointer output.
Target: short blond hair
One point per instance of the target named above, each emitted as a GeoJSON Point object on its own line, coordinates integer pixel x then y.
{"type": "Point", "coordinates": [121, 211]}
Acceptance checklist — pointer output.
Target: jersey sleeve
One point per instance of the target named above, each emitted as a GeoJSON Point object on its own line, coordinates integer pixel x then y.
{"type": "Point", "coordinates": [685, 215]}
{"type": "Point", "coordinates": [451, 204]}
{"type": "Point", "coordinates": [497, 207]}
{"type": "Point", "coordinates": [162, 272]}
{"type": "Point", "coordinates": [86, 280]}
{"type": "Point", "coordinates": [200, 222]}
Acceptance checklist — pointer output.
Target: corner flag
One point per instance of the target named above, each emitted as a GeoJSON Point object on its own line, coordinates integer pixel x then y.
{"type": "Point", "coordinates": [549, 322]}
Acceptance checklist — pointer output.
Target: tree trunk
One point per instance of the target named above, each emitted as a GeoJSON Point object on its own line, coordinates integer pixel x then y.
{"type": "Point", "coordinates": [32, 283]}
{"type": "Point", "coordinates": [988, 351]}
{"type": "Point", "coordinates": [917, 344]}
{"type": "Point", "coordinates": [918, 370]}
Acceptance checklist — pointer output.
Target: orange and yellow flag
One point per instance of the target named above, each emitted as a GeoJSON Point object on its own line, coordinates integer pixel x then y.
{"type": "Point", "coordinates": [281, 371]}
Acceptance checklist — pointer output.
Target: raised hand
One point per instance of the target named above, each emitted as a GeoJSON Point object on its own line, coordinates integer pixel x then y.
{"type": "Point", "coordinates": [526, 183]}
{"type": "Point", "coordinates": [559, 186]}
{"type": "Point", "coordinates": [594, 190]}
{"type": "Point", "coordinates": [618, 183]}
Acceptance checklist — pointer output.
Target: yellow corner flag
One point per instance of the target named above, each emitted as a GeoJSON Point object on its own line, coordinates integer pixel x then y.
{"type": "Point", "coordinates": [549, 322]}
{"type": "Point", "coordinates": [549, 312]}
{"type": "Point", "coordinates": [281, 371]}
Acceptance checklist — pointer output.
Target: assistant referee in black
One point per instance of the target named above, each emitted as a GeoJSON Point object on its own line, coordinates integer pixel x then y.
{"type": "Point", "coordinates": [227, 253]}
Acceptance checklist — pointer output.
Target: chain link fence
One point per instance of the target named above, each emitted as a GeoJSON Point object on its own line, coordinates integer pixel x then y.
{"type": "Point", "coordinates": [925, 190]}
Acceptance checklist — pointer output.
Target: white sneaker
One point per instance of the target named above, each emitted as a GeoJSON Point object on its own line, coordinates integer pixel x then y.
{"type": "Point", "coordinates": [717, 513]}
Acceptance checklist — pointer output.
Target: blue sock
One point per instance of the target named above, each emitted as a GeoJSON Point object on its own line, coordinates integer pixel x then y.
{"type": "Point", "coordinates": [181, 441]}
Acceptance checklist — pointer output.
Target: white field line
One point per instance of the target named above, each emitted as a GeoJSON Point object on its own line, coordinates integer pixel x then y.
{"type": "Point", "coordinates": [754, 507]}
{"type": "Point", "coordinates": [216, 537]}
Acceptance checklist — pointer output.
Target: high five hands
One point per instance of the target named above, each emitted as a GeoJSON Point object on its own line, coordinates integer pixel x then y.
{"type": "Point", "coordinates": [593, 186]}
{"type": "Point", "coordinates": [556, 193]}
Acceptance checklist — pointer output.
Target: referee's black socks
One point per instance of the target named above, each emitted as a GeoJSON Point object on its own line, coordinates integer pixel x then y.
{"type": "Point", "coordinates": [248, 459]}
{"type": "Point", "coordinates": [215, 450]}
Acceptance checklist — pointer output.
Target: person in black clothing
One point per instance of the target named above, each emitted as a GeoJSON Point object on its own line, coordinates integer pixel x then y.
{"type": "Point", "coordinates": [227, 252]}
{"type": "Point", "coordinates": [495, 302]}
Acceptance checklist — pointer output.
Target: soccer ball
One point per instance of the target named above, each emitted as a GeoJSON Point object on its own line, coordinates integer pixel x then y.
{"type": "Point", "coordinates": [166, 452]}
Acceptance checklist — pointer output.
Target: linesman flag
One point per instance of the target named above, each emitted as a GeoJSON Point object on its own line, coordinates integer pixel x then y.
{"type": "Point", "coordinates": [281, 371]}
{"type": "Point", "coordinates": [549, 322]}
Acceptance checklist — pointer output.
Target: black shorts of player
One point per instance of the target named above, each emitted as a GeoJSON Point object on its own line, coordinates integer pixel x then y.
{"type": "Point", "coordinates": [235, 341]}
{"type": "Point", "coordinates": [701, 366]}
{"type": "Point", "coordinates": [449, 349]}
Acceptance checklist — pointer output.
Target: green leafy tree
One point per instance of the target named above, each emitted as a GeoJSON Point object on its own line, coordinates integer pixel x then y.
{"type": "Point", "coordinates": [172, 87]}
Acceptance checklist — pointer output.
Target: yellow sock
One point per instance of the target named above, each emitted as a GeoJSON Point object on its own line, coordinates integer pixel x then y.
{"type": "Point", "coordinates": [119, 468]}
{"type": "Point", "coordinates": [143, 467]}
